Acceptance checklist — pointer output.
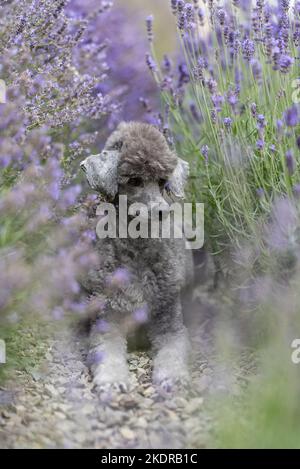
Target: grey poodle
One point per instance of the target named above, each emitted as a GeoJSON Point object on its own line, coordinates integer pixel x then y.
{"type": "Point", "coordinates": [139, 279]}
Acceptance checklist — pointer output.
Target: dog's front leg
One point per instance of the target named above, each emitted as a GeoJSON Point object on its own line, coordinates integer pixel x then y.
{"type": "Point", "coordinates": [108, 357]}
{"type": "Point", "coordinates": [171, 347]}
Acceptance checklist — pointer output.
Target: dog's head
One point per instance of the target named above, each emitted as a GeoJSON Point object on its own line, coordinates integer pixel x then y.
{"type": "Point", "coordinates": [137, 162]}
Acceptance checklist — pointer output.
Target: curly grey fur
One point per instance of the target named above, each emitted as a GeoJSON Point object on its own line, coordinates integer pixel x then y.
{"type": "Point", "coordinates": [159, 269]}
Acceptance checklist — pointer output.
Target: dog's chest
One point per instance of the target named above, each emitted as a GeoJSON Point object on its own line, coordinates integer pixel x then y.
{"type": "Point", "coordinates": [142, 255]}
{"type": "Point", "coordinates": [152, 262]}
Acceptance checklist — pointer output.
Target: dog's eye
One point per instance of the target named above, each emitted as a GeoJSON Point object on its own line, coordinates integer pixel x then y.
{"type": "Point", "coordinates": [135, 182]}
{"type": "Point", "coordinates": [117, 145]}
{"type": "Point", "coordinates": [163, 183]}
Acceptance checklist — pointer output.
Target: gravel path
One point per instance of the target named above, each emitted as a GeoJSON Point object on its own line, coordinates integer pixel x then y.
{"type": "Point", "coordinates": [56, 407]}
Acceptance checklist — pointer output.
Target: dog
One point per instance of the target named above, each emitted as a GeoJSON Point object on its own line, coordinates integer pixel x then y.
{"type": "Point", "coordinates": [139, 278]}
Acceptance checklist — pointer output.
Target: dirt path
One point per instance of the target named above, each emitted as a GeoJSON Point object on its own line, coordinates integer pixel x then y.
{"type": "Point", "coordinates": [56, 407]}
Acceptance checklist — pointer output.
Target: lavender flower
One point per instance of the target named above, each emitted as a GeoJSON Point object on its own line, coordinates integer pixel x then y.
{"type": "Point", "coordinates": [248, 49]}
{"type": "Point", "coordinates": [189, 12]}
{"type": "Point", "coordinates": [95, 357]}
{"type": "Point", "coordinates": [261, 121]}
{"type": "Point", "coordinates": [289, 159]}
{"type": "Point", "coordinates": [291, 116]}
{"type": "Point", "coordinates": [149, 25]}
{"type": "Point", "coordinates": [260, 192]}
{"type": "Point", "coordinates": [221, 14]}
{"type": "Point", "coordinates": [174, 6]}
{"type": "Point", "coordinates": [140, 315]}
{"type": "Point", "coordinates": [260, 144]}
{"type": "Point", "coordinates": [180, 6]}
{"type": "Point", "coordinates": [102, 326]}
{"type": "Point", "coordinates": [285, 63]}
{"type": "Point", "coordinates": [279, 126]}
{"type": "Point", "coordinates": [253, 110]}
{"type": "Point", "coordinates": [151, 63]}
{"type": "Point", "coordinates": [227, 122]}
{"type": "Point", "coordinates": [201, 16]}
{"type": "Point", "coordinates": [204, 151]}
{"type": "Point", "coordinates": [119, 278]}
{"type": "Point", "coordinates": [181, 23]}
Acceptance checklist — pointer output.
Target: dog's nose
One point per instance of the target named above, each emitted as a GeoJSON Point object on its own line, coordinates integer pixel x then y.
{"type": "Point", "coordinates": [83, 166]}
{"type": "Point", "coordinates": [161, 210]}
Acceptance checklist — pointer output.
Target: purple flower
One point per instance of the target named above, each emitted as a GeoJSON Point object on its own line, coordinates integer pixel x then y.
{"type": "Point", "coordinates": [256, 69]}
{"type": "Point", "coordinates": [221, 14]}
{"type": "Point", "coordinates": [181, 21]}
{"type": "Point", "coordinates": [284, 4]}
{"type": "Point", "coordinates": [174, 6]}
{"type": "Point", "coordinates": [70, 195]}
{"type": "Point", "coordinates": [184, 76]}
{"type": "Point", "coordinates": [289, 159]}
{"type": "Point", "coordinates": [201, 16]}
{"type": "Point", "coordinates": [212, 85]}
{"type": "Point", "coordinates": [260, 144]}
{"type": "Point", "coordinates": [261, 121]}
{"type": "Point", "coordinates": [204, 151]}
{"type": "Point", "coordinates": [291, 116]}
{"type": "Point", "coordinates": [189, 14]}
{"type": "Point", "coordinates": [218, 101]}
{"type": "Point", "coordinates": [149, 26]}
{"type": "Point", "coordinates": [279, 125]}
{"type": "Point", "coordinates": [180, 5]}
{"type": "Point", "coordinates": [248, 49]}
{"type": "Point", "coordinates": [260, 192]}
{"type": "Point", "coordinates": [102, 326]}
{"type": "Point", "coordinates": [151, 63]}
{"type": "Point", "coordinates": [227, 122]}
{"type": "Point", "coordinates": [5, 161]}
{"type": "Point", "coordinates": [166, 64]}
{"type": "Point", "coordinates": [285, 63]}
{"type": "Point", "coordinates": [232, 98]}
{"type": "Point", "coordinates": [120, 278]}
{"type": "Point", "coordinates": [253, 108]}
{"type": "Point", "coordinates": [95, 357]}
{"type": "Point", "coordinates": [140, 315]}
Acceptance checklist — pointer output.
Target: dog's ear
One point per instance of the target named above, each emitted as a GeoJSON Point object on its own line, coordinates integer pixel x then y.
{"type": "Point", "coordinates": [177, 181]}
{"type": "Point", "coordinates": [108, 175]}
{"type": "Point", "coordinates": [102, 173]}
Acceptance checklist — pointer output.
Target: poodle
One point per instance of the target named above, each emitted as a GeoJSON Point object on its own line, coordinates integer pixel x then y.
{"type": "Point", "coordinates": [141, 279]}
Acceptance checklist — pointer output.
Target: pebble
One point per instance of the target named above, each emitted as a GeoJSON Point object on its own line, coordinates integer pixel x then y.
{"type": "Point", "coordinates": [51, 391]}
{"type": "Point", "coordinates": [127, 433]}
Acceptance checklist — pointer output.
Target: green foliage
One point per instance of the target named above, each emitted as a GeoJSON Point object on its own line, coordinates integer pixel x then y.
{"type": "Point", "coordinates": [26, 346]}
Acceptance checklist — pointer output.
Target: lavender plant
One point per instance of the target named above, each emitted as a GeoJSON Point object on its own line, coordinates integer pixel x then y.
{"type": "Point", "coordinates": [45, 247]}
{"type": "Point", "coordinates": [55, 60]}
{"type": "Point", "coordinates": [231, 107]}
{"type": "Point", "coordinates": [232, 104]}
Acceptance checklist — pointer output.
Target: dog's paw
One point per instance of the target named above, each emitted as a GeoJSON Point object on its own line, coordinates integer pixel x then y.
{"type": "Point", "coordinates": [111, 387]}
{"type": "Point", "coordinates": [170, 382]}
{"type": "Point", "coordinates": [108, 380]}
